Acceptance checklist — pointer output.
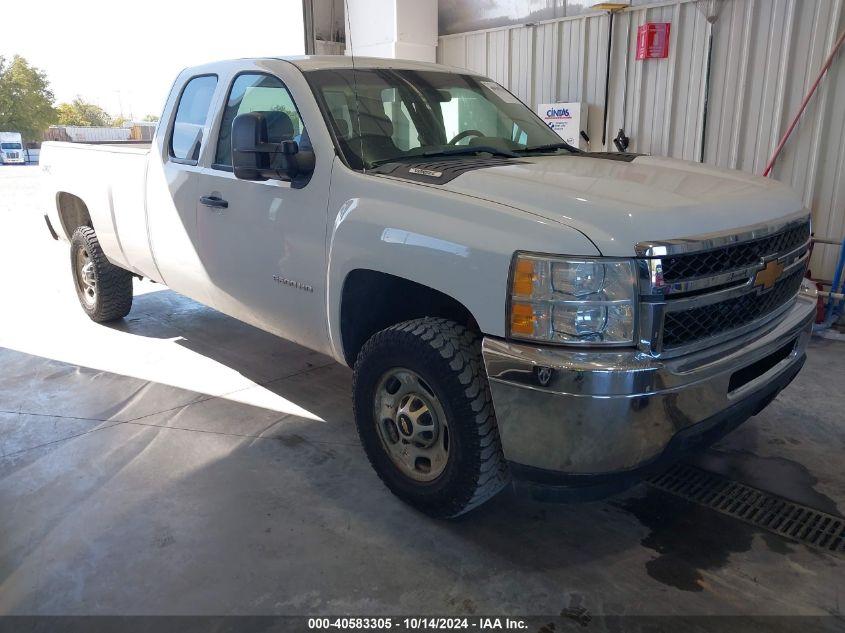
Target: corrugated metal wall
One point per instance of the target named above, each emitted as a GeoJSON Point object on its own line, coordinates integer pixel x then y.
{"type": "Point", "coordinates": [766, 54]}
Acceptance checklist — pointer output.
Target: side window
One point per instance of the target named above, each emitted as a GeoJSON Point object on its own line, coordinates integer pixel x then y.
{"type": "Point", "coordinates": [518, 135]}
{"type": "Point", "coordinates": [253, 92]}
{"type": "Point", "coordinates": [191, 116]}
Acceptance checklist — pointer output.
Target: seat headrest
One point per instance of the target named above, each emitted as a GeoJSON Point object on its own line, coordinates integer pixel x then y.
{"type": "Point", "coordinates": [279, 126]}
{"type": "Point", "coordinates": [342, 127]}
{"type": "Point", "coordinates": [375, 125]}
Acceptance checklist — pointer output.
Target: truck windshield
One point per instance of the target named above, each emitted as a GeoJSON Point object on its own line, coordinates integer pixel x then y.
{"type": "Point", "coordinates": [10, 146]}
{"type": "Point", "coordinates": [384, 115]}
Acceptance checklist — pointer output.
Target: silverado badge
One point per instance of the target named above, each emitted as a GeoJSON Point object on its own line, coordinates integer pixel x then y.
{"type": "Point", "coordinates": [292, 283]}
{"type": "Point", "coordinates": [425, 172]}
{"type": "Point", "coordinates": [768, 276]}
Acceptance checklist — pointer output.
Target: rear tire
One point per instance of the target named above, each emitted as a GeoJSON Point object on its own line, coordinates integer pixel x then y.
{"type": "Point", "coordinates": [104, 290]}
{"type": "Point", "coordinates": [425, 416]}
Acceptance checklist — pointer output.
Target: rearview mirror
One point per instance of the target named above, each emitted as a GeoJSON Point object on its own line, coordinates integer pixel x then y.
{"type": "Point", "coordinates": [254, 157]}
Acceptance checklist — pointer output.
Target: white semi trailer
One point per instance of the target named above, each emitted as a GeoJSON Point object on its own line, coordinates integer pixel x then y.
{"type": "Point", "coordinates": [11, 149]}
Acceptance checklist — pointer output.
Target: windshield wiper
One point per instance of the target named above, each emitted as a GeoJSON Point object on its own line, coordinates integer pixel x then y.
{"type": "Point", "coordinates": [454, 151]}
{"type": "Point", "coordinates": [550, 147]}
{"type": "Point", "coordinates": [470, 149]}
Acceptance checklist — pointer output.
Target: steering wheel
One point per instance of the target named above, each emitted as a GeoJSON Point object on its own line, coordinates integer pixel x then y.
{"type": "Point", "coordinates": [464, 134]}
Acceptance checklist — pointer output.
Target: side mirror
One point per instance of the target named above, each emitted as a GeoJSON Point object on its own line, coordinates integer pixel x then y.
{"type": "Point", "coordinates": [250, 156]}
{"type": "Point", "coordinates": [255, 158]}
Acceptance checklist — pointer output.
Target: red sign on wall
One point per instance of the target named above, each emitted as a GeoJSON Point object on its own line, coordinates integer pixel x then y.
{"type": "Point", "coordinates": [653, 40]}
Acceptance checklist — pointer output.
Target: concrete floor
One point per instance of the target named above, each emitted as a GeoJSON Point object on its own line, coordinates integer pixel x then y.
{"type": "Point", "coordinates": [181, 462]}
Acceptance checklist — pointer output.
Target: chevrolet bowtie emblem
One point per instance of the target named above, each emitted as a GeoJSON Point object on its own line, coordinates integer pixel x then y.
{"type": "Point", "coordinates": [768, 276]}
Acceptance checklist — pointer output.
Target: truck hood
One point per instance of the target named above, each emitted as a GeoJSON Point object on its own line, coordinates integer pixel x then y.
{"type": "Point", "coordinates": [617, 204]}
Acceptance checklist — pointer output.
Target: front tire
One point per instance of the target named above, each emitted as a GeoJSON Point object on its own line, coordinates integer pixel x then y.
{"type": "Point", "coordinates": [425, 416]}
{"type": "Point", "coordinates": [104, 290]}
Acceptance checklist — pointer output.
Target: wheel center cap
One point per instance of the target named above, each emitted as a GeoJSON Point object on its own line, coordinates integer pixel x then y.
{"type": "Point", "coordinates": [405, 425]}
{"type": "Point", "coordinates": [88, 273]}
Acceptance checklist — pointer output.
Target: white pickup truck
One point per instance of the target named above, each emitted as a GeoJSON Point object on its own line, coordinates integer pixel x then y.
{"type": "Point", "coordinates": [512, 307]}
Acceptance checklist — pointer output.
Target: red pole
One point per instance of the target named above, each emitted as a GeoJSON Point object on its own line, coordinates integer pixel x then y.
{"type": "Point", "coordinates": [804, 103]}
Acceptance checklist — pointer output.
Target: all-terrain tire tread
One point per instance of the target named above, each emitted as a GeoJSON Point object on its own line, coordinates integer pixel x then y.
{"type": "Point", "coordinates": [460, 347]}
{"type": "Point", "coordinates": [114, 284]}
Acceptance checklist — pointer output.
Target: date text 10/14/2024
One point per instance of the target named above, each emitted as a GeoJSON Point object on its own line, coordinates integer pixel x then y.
{"type": "Point", "coordinates": [418, 624]}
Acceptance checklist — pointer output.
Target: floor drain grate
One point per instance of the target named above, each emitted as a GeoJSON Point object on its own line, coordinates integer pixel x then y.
{"type": "Point", "coordinates": [770, 512]}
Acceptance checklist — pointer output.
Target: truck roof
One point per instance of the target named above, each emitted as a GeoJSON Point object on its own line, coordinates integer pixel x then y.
{"type": "Point", "coordinates": [328, 62]}
{"type": "Point", "coordinates": [321, 62]}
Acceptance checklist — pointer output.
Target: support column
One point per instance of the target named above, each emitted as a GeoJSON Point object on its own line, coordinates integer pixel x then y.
{"type": "Point", "coordinates": [403, 29]}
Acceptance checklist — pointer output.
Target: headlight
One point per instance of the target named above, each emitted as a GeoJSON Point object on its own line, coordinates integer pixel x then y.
{"type": "Point", "coordinates": [573, 300]}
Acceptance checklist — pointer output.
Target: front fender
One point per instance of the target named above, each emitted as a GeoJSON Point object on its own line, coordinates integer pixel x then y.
{"type": "Point", "coordinates": [453, 243]}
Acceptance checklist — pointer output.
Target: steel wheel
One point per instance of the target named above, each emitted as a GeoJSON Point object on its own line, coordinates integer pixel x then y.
{"type": "Point", "coordinates": [104, 290]}
{"type": "Point", "coordinates": [412, 425]}
{"type": "Point", "coordinates": [425, 417]}
{"type": "Point", "coordinates": [86, 280]}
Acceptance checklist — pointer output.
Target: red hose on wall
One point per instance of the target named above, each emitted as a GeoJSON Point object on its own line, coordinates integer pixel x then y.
{"type": "Point", "coordinates": [804, 103]}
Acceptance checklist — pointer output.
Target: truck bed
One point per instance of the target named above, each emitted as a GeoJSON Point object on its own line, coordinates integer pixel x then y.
{"type": "Point", "coordinates": [121, 144]}
{"type": "Point", "coordinates": [111, 180]}
{"type": "Point", "coordinates": [129, 147]}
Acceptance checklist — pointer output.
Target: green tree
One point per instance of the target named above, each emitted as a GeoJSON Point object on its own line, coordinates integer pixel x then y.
{"type": "Point", "coordinates": [26, 101]}
{"type": "Point", "coordinates": [118, 121]}
{"type": "Point", "coordinates": [82, 113]}
{"type": "Point", "coordinates": [152, 118]}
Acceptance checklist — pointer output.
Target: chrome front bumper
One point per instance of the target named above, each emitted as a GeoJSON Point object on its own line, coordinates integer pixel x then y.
{"type": "Point", "coordinates": [600, 412]}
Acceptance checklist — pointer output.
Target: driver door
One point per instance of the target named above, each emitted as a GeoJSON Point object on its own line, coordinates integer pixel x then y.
{"type": "Point", "coordinates": [263, 243]}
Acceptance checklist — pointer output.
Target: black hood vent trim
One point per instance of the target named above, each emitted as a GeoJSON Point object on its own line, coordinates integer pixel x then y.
{"type": "Point", "coordinates": [439, 172]}
{"type": "Point", "coordinates": [623, 157]}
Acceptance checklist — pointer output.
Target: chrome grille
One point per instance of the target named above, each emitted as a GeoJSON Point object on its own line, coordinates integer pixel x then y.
{"type": "Point", "coordinates": [692, 265]}
{"type": "Point", "coordinates": [688, 326]}
{"type": "Point", "coordinates": [696, 293]}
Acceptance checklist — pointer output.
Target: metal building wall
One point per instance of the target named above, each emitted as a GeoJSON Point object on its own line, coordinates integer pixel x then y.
{"type": "Point", "coordinates": [766, 54]}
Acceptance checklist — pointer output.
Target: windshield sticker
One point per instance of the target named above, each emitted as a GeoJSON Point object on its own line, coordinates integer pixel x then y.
{"type": "Point", "coordinates": [500, 92]}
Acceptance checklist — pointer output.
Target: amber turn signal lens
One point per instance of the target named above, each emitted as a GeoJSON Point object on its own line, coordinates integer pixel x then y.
{"type": "Point", "coordinates": [522, 318]}
{"type": "Point", "coordinates": [523, 278]}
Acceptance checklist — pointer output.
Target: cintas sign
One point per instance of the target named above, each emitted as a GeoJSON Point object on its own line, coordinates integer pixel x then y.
{"type": "Point", "coordinates": [557, 113]}
{"type": "Point", "coordinates": [565, 118]}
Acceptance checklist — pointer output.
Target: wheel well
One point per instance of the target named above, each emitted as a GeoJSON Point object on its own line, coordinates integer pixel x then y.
{"type": "Point", "coordinates": [73, 212]}
{"type": "Point", "coordinates": [372, 301]}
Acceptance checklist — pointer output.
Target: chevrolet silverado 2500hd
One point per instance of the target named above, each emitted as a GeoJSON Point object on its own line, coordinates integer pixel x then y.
{"type": "Point", "coordinates": [512, 307]}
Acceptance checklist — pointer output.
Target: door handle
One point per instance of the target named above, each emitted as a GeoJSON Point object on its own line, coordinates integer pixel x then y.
{"type": "Point", "coordinates": [215, 202]}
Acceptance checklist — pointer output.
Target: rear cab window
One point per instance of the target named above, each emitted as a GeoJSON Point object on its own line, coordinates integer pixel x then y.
{"type": "Point", "coordinates": [191, 119]}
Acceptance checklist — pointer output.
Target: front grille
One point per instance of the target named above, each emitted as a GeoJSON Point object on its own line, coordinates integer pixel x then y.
{"type": "Point", "coordinates": [711, 292]}
{"type": "Point", "coordinates": [688, 326]}
{"type": "Point", "coordinates": [693, 265]}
